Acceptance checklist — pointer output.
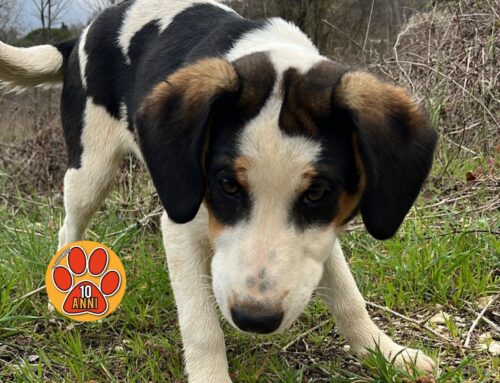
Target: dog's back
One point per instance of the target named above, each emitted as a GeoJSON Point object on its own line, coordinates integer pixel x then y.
{"type": "Point", "coordinates": [124, 52]}
{"type": "Point", "coordinates": [131, 47]}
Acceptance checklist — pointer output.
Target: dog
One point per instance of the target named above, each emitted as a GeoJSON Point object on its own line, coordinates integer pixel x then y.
{"type": "Point", "coordinates": [261, 151]}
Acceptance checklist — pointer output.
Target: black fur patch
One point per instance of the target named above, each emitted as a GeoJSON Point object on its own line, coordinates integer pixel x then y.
{"type": "Point", "coordinates": [73, 103]}
{"type": "Point", "coordinates": [142, 42]}
{"type": "Point", "coordinates": [106, 72]}
{"type": "Point", "coordinates": [227, 209]}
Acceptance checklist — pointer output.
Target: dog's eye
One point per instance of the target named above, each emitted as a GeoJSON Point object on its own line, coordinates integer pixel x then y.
{"type": "Point", "coordinates": [230, 186]}
{"type": "Point", "coordinates": [315, 194]}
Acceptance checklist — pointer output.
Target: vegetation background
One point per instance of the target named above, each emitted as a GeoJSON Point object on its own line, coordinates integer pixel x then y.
{"type": "Point", "coordinates": [434, 286]}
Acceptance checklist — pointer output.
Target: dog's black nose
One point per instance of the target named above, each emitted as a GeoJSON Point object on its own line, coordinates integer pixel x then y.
{"type": "Point", "coordinates": [257, 322]}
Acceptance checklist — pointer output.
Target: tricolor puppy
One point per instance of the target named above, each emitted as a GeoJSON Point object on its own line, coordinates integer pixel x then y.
{"type": "Point", "coordinates": [261, 151]}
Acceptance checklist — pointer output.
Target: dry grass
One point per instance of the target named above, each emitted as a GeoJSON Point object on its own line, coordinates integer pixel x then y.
{"type": "Point", "coordinates": [449, 57]}
{"type": "Point", "coordinates": [33, 155]}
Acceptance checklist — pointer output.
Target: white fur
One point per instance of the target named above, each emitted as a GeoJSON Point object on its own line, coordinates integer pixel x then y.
{"type": "Point", "coordinates": [188, 257]}
{"type": "Point", "coordinates": [143, 12]}
{"type": "Point", "coordinates": [24, 67]}
{"type": "Point", "coordinates": [83, 57]}
{"type": "Point", "coordinates": [105, 140]}
{"type": "Point", "coordinates": [288, 46]}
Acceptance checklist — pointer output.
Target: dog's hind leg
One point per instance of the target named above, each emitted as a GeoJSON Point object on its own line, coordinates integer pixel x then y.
{"type": "Point", "coordinates": [342, 297]}
{"type": "Point", "coordinates": [93, 165]}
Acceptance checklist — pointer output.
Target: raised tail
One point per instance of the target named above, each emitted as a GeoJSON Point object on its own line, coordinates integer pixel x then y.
{"type": "Point", "coordinates": [38, 65]}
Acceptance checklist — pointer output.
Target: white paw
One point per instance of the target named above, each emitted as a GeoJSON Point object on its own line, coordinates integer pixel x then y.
{"type": "Point", "coordinates": [409, 359]}
{"type": "Point", "coordinates": [405, 358]}
{"type": "Point", "coordinates": [223, 378]}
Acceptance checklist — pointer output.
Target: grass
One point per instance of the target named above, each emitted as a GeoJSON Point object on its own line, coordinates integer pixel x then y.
{"type": "Point", "coordinates": [441, 258]}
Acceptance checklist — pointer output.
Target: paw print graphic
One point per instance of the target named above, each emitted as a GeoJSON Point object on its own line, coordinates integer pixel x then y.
{"type": "Point", "coordinates": [86, 281]}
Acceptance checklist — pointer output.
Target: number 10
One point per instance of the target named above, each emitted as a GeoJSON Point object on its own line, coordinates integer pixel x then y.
{"type": "Point", "coordinates": [86, 291]}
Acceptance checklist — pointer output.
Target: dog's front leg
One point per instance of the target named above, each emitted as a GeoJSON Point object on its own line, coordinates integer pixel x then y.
{"type": "Point", "coordinates": [342, 297]}
{"type": "Point", "coordinates": [188, 258]}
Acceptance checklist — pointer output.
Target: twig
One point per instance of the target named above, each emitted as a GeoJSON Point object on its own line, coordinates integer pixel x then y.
{"type": "Point", "coordinates": [25, 231]}
{"type": "Point", "coordinates": [142, 222]}
{"type": "Point", "coordinates": [492, 324]}
{"type": "Point", "coordinates": [460, 232]}
{"type": "Point", "coordinates": [369, 25]}
{"type": "Point", "coordinates": [31, 293]}
{"type": "Point", "coordinates": [486, 109]}
{"type": "Point", "coordinates": [493, 9]}
{"type": "Point", "coordinates": [460, 146]}
{"type": "Point", "coordinates": [304, 334]}
{"type": "Point", "coordinates": [343, 33]}
{"type": "Point", "coordinates": [476, 321]}
{"type": "Point", "coordinates": [415, 322]}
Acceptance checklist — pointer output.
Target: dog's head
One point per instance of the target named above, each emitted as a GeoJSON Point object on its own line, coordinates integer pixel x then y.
{"type": "Point", "coordinates": [282, 162]}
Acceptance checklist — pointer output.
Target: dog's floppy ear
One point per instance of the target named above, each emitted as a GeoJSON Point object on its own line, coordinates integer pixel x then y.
{"type": "Point", "coordinates": [395, 142]}
{"type": "Point", "coordinates": [172, 126]}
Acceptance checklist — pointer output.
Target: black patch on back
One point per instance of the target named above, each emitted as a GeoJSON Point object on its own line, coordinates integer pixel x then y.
{"type": "Point", "coordinates": [106, 72]}
{"type": "Point", "coordinates": [198, 32]}
{"type": "Point", "coordinates": [142, 42]}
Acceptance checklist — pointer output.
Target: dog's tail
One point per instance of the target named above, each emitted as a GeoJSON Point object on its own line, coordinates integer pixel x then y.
{"type": "Point", "coordinates": [38, 65]}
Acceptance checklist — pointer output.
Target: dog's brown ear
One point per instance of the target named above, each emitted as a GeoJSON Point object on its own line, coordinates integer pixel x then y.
{"type": "Point", "coordinates": [172, 126]}
{"type": "Point", "coordinates": [395, 142]}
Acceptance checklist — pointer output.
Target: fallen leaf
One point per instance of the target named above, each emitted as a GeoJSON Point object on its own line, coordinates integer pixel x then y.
{"type": "Point", "coordinates": [469, 176]}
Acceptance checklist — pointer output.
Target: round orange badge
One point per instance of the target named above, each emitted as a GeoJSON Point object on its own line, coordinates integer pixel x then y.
{"type": "Point", "coordinates": [85, 281]}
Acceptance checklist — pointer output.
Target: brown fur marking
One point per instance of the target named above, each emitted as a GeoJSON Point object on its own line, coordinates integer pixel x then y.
{"type": "Point", "coordinates": [215, 228]}
{"type": "Point", "coordinates": [241, 167]}
{"type": "Point", "coordinates": [197, 83]}
{"type": "Point", "coordinates": [374, 100]}
{"type": "Point", "coordinates": [349, 202]}
{"type": "Point", "coordinates": [306, 181]}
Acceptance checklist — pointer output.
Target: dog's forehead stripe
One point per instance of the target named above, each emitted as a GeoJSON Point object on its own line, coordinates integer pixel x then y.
{"type": "Point", "coordinates": [277, 161]}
